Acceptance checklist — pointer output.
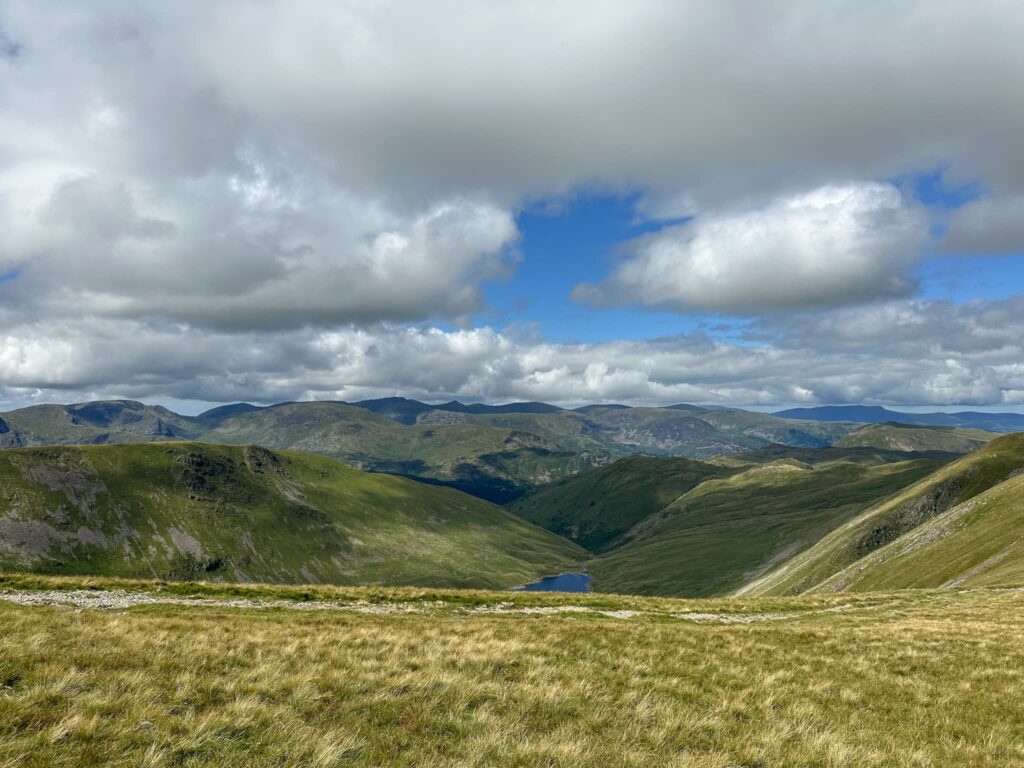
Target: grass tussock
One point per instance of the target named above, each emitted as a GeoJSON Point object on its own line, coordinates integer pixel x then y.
{"type": "Point", "coordinates": [918, 679]}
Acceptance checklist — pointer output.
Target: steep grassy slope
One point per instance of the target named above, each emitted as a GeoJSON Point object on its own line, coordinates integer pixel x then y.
{"type": "Point", "coordinates": [978, 543]}
{"type": "Point", "coordinates": [187, 510]}
{"type": "Point", "coordinates": [445, 679]}
{"type": "Point", "coordinates": [883, 523]}
{"type": "Point", "coordinates": [904, 437]}
{"type": "Point", "coordinates": [598, 508]}
{"type": "Point", "coordinates": [727, 530]}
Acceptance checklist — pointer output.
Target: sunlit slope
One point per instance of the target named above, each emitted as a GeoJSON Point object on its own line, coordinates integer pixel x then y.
{"type": "Point", "coordinates": [979, 543]}
{"type": "Point", "coordinates": [904, 437]}
{"type": "Point", "coordinates": [599, 508]}
{"type": "Point", "coordinates": [727, 531]}
{"type": "Point", "coordinates": [189, 510]}
{"type": "Point", "coordinates": [883, 523]}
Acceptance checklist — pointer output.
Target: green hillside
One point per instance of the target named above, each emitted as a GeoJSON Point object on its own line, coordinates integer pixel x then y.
{"type": "Point", "coordinates": [904, 437]}
{"type": "Point", "coordinates": [187, 510]}
{"type": "Point", "coordinates": [599, 508]}
{"type": "Point", "coordinates": [979, 543]}
{"type": "Point", "coordinates": [885, 522]}
{"type": "Point", "coordinates": [728, 530]}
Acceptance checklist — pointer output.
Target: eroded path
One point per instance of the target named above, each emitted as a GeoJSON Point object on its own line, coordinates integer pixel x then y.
{"type": "Point", "coordinates": [118, 599]}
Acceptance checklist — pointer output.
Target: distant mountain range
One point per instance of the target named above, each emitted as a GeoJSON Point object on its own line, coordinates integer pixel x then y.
{"type": "Point", "coordinates": [495, 452]}
{"type": "Point", "coordinates": [873, 414]}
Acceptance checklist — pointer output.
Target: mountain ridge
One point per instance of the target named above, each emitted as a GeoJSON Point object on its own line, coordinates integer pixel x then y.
{"type": "Point", "coordinates": [875, 414]}
{"type": "Point", "coordinates": [496, 452]}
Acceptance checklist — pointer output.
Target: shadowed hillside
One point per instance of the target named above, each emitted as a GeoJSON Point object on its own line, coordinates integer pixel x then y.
{"type": "Point", "coordinates": [596, 509]}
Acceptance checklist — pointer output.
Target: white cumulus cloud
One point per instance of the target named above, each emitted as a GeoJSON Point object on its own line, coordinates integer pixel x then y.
{"type": "Point", "coordinates": [834, 245]}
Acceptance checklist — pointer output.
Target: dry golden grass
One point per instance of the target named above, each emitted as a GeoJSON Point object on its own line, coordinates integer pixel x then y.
{"type": "Point", "coordinates": [912, 679]}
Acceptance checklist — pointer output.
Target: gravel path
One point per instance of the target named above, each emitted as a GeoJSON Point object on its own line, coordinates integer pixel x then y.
{"type": "Point", "coordinates": [116, 599]}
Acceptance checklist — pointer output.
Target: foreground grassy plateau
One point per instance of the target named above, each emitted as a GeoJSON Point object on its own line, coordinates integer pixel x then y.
{"type": "Point", "coordinates": [126, 673]}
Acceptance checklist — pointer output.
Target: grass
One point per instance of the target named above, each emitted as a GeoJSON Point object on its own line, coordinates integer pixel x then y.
{"type": "Point", "coordinates": [923, 679]}
{"type": "Point", "coordinates": [190, 510]}
{"type": "Point", "coordinates": [727, 531]}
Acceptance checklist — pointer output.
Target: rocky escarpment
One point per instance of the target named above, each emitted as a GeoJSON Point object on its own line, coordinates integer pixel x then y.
{"type": "Point", "coordinates": [910, 515]}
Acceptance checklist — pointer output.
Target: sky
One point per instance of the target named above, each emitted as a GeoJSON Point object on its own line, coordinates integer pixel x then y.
{"type": "Point", "coordinates": [758, 204]}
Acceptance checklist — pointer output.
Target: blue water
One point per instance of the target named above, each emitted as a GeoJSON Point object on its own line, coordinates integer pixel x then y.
{"type": "Point", "coordinates": [564, 582]}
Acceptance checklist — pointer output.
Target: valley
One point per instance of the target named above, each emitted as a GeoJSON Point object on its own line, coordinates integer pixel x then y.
{"type": "Point", "coordinates": [280, 494]}
{"type": "Point", "coordinates": [517, 384]}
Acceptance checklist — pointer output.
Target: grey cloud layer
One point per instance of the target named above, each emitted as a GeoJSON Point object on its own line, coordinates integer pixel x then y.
{"type": "Point", "coordinates": [426, 100]}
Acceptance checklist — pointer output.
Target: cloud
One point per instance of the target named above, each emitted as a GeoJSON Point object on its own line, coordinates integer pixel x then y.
{"type": "Point", "coordinates": [277, 200]}
{"type": "Point", "coordinates": [710, 99]}
{"type": "Point", "coordinates": [835, 245]}
{"type": "Point", "coordinates": [987, 226]}
{"type": "Point", "coordinates": [156, 160]}
{"type": "Point", "coordinates": [899, 352]}
{"type": "Point", "coordinates": [247, 252]}
{"type": "Point", "coordinates": [523, 98]}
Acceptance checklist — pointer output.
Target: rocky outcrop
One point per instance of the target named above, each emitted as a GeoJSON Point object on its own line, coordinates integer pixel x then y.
{"type": "Point", "coordinates": [908, 516]}
{"type": "Point", "coordinates": [199, 471]}
{"type": "Point", "coordinates": [259, 459]}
